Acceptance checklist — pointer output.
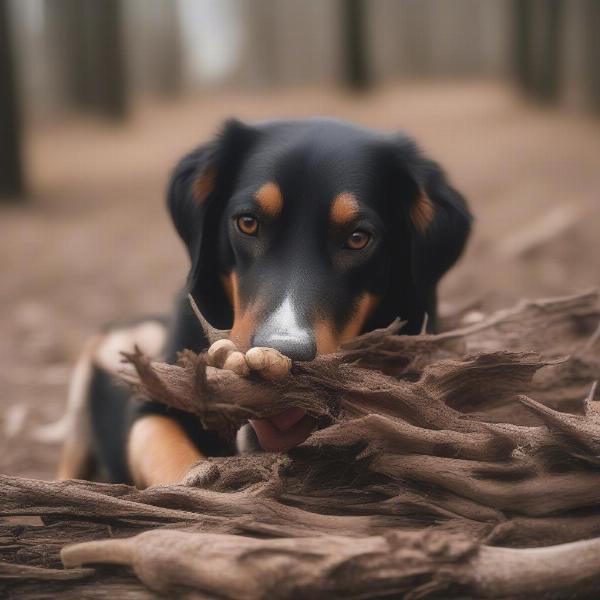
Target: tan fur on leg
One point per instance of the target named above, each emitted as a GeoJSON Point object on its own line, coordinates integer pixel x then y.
{"type": "Point", "coordinates": [76, 459]}
{"type": "Point", "coordinates": [159, 452]}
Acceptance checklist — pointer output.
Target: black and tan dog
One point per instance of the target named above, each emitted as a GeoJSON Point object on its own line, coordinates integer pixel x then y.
{"type": "Point", "coordinates": [301, 235]}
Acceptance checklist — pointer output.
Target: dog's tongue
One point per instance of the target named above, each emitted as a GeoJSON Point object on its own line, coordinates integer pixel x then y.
{"type": "Point", "coordinates": [281, 432]}
{"type": "Point", "coordinates": [288, 418]}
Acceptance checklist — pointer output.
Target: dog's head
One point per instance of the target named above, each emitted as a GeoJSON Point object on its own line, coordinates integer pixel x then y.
{"type": "Point", "coordinates": [302, 234]}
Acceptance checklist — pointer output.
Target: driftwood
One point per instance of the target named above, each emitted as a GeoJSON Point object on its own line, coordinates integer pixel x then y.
{"type": "Point", "coordinates": [464, 464]}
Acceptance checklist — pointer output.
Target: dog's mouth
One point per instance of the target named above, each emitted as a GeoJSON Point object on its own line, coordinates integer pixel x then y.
{"type": "Point", "coordinates": [283, 431]}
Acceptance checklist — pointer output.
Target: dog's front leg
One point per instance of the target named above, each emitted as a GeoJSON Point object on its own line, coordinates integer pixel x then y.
{"type": "Point", "coordinates": [159, 451]}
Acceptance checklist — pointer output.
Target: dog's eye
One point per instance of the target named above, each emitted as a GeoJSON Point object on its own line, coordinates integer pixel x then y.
{"type": "Point", "coordinates": [247, 224]}
{"type": "Point", "coordinates": [358, 240]}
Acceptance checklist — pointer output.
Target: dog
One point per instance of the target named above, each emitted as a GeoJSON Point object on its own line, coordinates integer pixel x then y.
{"type": "Point", "coordinates": [301, 234]}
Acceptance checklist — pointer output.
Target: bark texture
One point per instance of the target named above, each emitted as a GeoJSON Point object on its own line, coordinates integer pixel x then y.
{"type": "Point", "coordinates": [458, 465]}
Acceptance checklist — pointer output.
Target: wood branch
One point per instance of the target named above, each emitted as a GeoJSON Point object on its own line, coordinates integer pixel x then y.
{"type": "Point", "coordinates": [336, 567]}
{"type": "Point", "coordinates": [472, 472]}
{"type": "Point", "coordinates": [212, 333]}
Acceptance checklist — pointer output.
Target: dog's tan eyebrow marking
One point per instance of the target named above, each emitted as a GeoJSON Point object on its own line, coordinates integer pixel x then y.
{"type": "Point", "coordinates": [269, 199]}
{"type": "Point", "coordinates": [422, 213]}
{"type": "Point", "coordinates": [344, 209]}
{"type": "Point", "coordinates": [204, 185]}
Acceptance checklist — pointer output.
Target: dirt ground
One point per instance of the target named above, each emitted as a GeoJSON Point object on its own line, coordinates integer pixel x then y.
{"type": "Point", "coordinates": [94, 243]}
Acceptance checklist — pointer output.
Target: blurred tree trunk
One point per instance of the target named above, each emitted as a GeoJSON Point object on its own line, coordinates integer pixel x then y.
{"type": "Point", "coordinates": [169, 57]}
{"type": "Point", "coordinates": [11, 167]}
{"type": "Point", "coordinates": [262, 60]}
{"type": "Point", "coordinates": [67, 35]}
{"type": "Point", "coordinates": [106, 58]}
{"type": "Point", "coordinates": [537, 55]}
{"type": "Point", "coordinates": [549, 56]}
{"type": "Point", "coordinates": [592, 51]}
{"type": "Point", "coordinates": [89, 39]}
{"type": "Point", "coordinates": [522, 12]}
{"type": "Point", "coordinates": [355, 44]}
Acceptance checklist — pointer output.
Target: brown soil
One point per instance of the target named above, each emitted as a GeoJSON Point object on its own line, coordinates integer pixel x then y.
{"type": "Point", "coordinates": [94, 243]}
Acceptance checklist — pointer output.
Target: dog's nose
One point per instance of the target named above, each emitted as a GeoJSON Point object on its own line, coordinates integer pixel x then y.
{"type": "Point", "coordinates": [296, 347]}
{"type": "Point", "coordinates": [283, 330]}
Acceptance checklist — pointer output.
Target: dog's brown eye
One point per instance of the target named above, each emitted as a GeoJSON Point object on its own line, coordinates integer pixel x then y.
{"type": "Point", "coordinates": [247, 224]}
{"type": "Point", "coordinates": [358, 240]}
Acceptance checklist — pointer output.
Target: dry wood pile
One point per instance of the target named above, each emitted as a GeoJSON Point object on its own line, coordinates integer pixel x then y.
{"type": "Point", "coordinates": [459, 465]}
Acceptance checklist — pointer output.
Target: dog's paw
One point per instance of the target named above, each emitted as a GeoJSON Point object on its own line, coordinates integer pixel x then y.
{"type": "Point", "coordinates": [267, 362]}
{"type": "Point", "coordinates": [224, 355]}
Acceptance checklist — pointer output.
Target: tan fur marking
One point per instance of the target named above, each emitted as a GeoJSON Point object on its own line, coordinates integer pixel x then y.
{"type": "Point", "coordinates": [204, 185]}
{"type": "Point", "coordinates": [270, 199]}
{"type": "Point", "coordinates": [159, 452]}
{"type": "Point", "coordinates": [76, 458]}
{"type": "Point", "coordinates": [242, 330]}
{"type": "Point", "coordinates": [77, 454]}
{"type": "Point", "coordinates": [344, 209]}
{"type": "Point", "coordinates": [422, 213]}
{"type": "Point", "coordinates": [328, 340]}
{"type": "Point", "coordinates": [227, 281]}
{"type": "Point", "coordinates": [326, 336]}
{"type": "Point", "coordinates": [244, 320]}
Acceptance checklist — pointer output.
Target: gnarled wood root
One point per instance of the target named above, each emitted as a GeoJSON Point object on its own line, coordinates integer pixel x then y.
{"type": "Point", "coordinates": [457, 465]}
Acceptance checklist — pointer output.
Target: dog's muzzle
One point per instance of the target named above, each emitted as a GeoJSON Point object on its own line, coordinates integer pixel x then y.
{"type": "Point", "coordinates": [281, 330]}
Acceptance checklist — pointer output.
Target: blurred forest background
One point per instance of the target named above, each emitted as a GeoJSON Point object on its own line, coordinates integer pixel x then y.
{"type": "Point", "coordinates": [99, 98]}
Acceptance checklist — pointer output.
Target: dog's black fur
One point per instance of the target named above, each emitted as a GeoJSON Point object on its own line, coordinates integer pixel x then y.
{"type": "Point", "coordinates": [298, 254]}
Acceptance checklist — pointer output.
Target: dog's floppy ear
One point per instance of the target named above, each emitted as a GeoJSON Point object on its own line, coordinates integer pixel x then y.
{"type": "Point", "coordinates": [438, 218]}
{"type": "Point", "coordinates": [441, 222]}
{"type": "Point", "coordinates": [198, 190]}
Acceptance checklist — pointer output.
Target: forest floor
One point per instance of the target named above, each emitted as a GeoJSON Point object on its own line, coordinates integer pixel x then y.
{"type": "Point", "coordinates": [94, 244]}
